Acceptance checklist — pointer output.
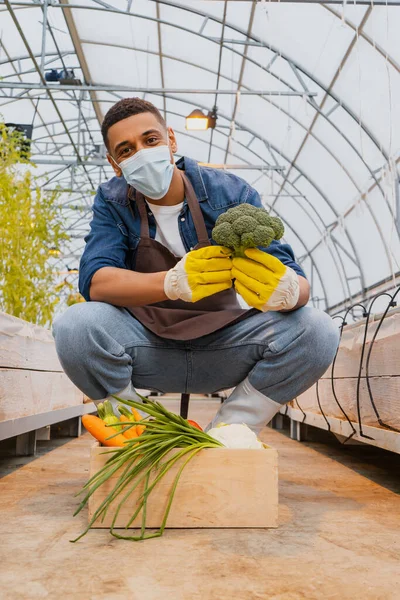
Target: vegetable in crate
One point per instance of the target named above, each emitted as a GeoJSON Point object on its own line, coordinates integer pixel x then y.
{"type": "Point", "coordinates": [235, 436]}
{"type": "Point", "coordinates": [106, 413]}
{"type": "Point", "coordinates": [101, 432]}
{"type": "Point", "coordinates": [128, 417]}
{"type": "Point", "coordinates": [144, 460]}
{"type": "Point", "coordinates": [246, 226]}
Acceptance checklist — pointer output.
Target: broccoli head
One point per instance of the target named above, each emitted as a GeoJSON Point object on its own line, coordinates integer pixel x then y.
{"type": "Point", "coordinates": [246, 226]}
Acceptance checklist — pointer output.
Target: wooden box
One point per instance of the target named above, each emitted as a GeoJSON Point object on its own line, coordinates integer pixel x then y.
{"type": "Point", "coordinates": [219, 487]}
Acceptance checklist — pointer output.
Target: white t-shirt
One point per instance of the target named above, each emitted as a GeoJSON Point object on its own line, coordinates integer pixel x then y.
{"type": "Point", "coordinates": [167, 232]}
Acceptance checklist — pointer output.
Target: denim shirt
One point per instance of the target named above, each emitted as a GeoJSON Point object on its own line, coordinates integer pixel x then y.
{"type": "Point", "coordinates": [115, 233]}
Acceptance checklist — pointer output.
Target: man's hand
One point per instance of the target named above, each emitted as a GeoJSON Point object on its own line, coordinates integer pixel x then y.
{"type": "Point", "coordinates": [264, 282]}
{"type": "Point", "coordinates": [200, 273]}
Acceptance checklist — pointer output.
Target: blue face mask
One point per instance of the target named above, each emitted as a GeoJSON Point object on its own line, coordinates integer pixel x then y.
{"type": "Point", "coordinates": [149, 171]}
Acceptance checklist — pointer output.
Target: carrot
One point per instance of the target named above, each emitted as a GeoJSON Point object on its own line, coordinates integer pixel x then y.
{"type": "Point", "coordinates": [98, 429]}
{"type": "Point", "coordinates": [132, 431]}
{"type": "Point", "coordinates": [138, 417]}
{"type": "Point", "coordinates": [194, 424]}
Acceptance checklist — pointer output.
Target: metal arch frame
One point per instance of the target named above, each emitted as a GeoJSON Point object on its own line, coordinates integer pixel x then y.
{"type": "Point", "coordinates": [346, 56]}
{"type": "Point", "coordinates": [290, 226]}
{"type": "Point", "coordinates": [44, 124]}
{"type": "Point", "coordinates": [29, 50]}
{"type": "Point", "coordinates": [83, 66]}
{"type": "Point", "coordinates": [328, 92]}
{"type": "Point", "coordinates": [73, 32]}
{"type": "Point", "coordinates": [329, 151]}
{"type": "Point", "coordinates": [296, 235]}
{"type": "Point", "coordinates": [264, 97]}
{"type": "Point", "coordinates": [340, 274]}
{"type": "Point", "coordinates": [308, 216]}
{"type": "Point", "coordinates": [364, 35]}
{"type": "Point", "coordinates": [313, 105]}
{"type": "Point", "coordinates": [270, 101]}
{"type": "Point", "coordinates": [218, 73]}
{"type": "Point", "coordinates": [253, 38]}
{"type": "Point", "coordinates": [241, 74]}
{"type": "Point", "coordinates": [104, 7]}
{"type": "Point", "coordinates": [317, 189]}
{"type": "Point", "coordinates": [180, 7]}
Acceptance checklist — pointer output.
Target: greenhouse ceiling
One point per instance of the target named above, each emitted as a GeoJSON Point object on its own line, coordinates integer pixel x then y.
{"type": "Point", "coordinates": [306, 96]}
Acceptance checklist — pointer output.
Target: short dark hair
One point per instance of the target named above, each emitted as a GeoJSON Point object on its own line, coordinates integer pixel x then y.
{"type": "Point", "coordinates": [126, 108]}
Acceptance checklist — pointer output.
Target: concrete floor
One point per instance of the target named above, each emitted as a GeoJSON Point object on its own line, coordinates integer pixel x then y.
{"type": "Point", "coordinates": [339, 533]}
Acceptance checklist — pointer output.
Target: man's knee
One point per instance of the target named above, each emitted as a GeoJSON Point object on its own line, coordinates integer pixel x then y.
{"type": "Point", "coordinates": [320, 339]}
{"type": "Point", "coordinates": [71, 321]}
{"type": "Point", "coordinates": [68, 330]}
{"type": "Point", "coordinates": [76, 324]}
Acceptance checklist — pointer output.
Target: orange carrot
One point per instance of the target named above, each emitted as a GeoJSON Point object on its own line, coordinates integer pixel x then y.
{"type": "Point", "coordinates": [138, 417]}
{"type": "Point", "coordinates": [194, 424]}
{"type": "Point", "coordinates": [131, 432]}
{"type": "Point", "coordinates": [98, 429]}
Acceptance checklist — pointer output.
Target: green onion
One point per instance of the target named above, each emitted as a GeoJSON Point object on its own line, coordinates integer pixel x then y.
{"type": "Point", "coordinates": [139, 459]}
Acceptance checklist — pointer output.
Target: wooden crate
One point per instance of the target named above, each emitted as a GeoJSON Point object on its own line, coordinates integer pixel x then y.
{"type": "Point", "coordinates": [219, 488]}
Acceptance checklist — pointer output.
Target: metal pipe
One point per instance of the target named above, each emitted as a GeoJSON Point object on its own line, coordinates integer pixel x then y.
{"type": "Point", "coordinates": [340, 2]}
{"type": "Point", "coordinates": [29, 50]}
{"type": "Point", "coordinates": [43, 51]}
{"type": "Point", "coordinates": [103, 162]}
{"type": "Point", "coordinates": [137, 90]}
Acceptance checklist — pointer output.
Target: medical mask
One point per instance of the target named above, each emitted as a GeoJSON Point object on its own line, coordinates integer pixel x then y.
{"type": "Point", "coordinates": [149, 171]}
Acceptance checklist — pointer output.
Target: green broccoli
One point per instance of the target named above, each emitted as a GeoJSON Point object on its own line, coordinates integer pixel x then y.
{"type": "Point", "coordinates": [246, 226]}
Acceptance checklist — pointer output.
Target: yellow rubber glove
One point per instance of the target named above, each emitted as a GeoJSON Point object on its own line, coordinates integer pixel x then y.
{"type": "Point", "coordinates": [264, 282]}
{"type": "Point", "coordinates": [200, 273]}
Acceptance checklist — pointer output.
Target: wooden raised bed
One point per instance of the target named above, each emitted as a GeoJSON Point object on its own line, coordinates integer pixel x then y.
{"type": "Point", "coordinates": [34, 390]}
{"type": "Point", "coordinates": [384, 380]}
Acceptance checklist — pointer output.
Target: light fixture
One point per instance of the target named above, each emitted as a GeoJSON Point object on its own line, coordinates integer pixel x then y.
{"type": "Point", "coordinates": [63, 77]}
{"type": "Point", "coordinates": [198, 121]}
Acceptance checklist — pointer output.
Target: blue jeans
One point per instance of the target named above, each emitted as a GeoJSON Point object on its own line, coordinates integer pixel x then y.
{"type": "Point", "coordinates": [102, 347]}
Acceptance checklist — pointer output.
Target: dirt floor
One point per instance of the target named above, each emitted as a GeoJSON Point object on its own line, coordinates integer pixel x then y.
{"type": "Point", "coordinates": [339, 533]}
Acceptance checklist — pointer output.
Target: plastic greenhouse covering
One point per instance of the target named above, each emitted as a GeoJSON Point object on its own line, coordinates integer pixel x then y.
{"type": "Point", "coordinates": [307, 98]}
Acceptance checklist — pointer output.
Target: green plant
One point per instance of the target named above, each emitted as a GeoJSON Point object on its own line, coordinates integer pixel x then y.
{"type": "Point", "coordinates": [31, 232]}
{"type": "Point", "coordinates": [246, 226]}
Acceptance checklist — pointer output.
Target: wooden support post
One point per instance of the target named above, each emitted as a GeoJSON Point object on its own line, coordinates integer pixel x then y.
{"type": "Point", "coordinates": [75, 427]}
{"type": "Point", "coordinates": [43, 434]}
{"type": "Point", "coordinates": [277, 422]}
{"type": "Point", "coordinates": [69, 428]}
{"type": "Point", "coordinates": [25, 444]}
{"type": "Point", "coordinates": [298, 431]}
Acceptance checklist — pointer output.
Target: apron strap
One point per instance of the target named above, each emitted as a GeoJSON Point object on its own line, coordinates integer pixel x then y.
{"type": "Point", "coordinates": [195, 211]}
{"type": "Point", "coordinates": [193, 204]}
{"type": "Point", "coordinates": [141, 205]}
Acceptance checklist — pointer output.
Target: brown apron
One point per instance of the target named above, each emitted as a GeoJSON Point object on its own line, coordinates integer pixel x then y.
{"type": "Point", "coordinates": [176, 319]}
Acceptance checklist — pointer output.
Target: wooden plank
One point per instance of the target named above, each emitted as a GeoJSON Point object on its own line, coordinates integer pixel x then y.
{"type": "Point", "coordinates": [386, 394]}
{"type": "Point", "coordinates": [377, 436]}
{"type": "Point", "coordinates": [218, 488]}
{"type": "Point", "coordinates": [14, 427]}
{"type": "Point", "coordinates": [24, 393]}
{"type": "Point", "coordinates": [385, 356]}
{"type": "Point", "coordinates": [26, 346]}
